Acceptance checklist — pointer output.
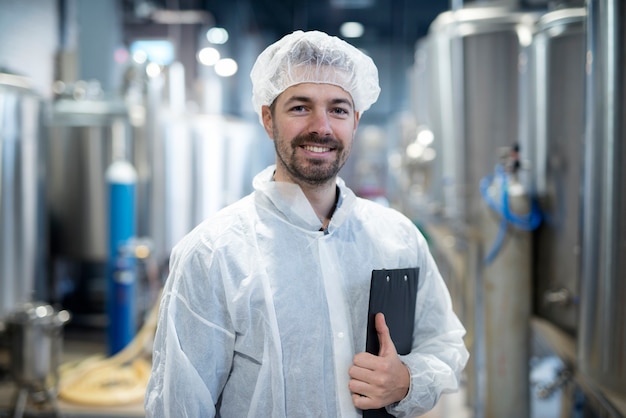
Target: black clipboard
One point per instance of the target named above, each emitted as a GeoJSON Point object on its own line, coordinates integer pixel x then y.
{"type": "Point", "coordinates": [394, 293]}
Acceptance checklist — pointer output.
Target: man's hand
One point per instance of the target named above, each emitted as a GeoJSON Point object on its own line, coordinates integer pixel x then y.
{"type": "Point", "coordinates": [377, 381]}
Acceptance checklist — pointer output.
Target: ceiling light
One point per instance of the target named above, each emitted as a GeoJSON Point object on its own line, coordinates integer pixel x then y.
{"type": "Point", "coordinates": [226, 67]}
{"type": "Point", "coordinates": [217, 35]}
{"type": "Point", "coordinates": [414, 150]}
{"type": "Point", "coordinates": [208, 56]}
{"type": "Point", "coordinates": [425, 137]}
{"type": "Point", "coordinates": [153, 69]}
{"type": "Point", "coordinates": [351, 30]}
{"type": "Point", "coordinates": [140, 56]}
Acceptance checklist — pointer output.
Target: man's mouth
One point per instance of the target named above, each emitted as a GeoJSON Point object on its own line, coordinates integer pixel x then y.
{"type": "Point", "coordinates": [316, 148]}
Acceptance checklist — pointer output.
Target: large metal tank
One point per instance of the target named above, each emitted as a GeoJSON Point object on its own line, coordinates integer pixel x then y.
{"type": "Point", "coordinates": [200, 163]}
{"type": "Point", "coordinates": [86, 135]}
{"type": "Point", "coordinates": [22, 230]}
{"type": "Point", "coordinates": [556, 69]}
{"type": "Point", "coordinates": [602, 326]}
{"type": "Point", "coordinates": [476, 52]}
{"type": "Point", "coordinates": [228, 153]}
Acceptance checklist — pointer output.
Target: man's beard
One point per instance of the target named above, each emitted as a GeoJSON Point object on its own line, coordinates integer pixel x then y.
{"type": "Point", "coordinates": [313, 171]}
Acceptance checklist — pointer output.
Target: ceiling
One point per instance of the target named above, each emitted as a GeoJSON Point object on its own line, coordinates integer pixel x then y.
{"type": "Point", "coordinates": [385, 21]}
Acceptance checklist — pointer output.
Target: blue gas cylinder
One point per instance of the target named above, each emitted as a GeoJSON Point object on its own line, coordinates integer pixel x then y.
{"type": "Point", "coordinates": [122, 276]}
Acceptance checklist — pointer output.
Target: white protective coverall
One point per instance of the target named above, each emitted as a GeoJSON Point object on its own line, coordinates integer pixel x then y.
{"type": "Point", "coordinates": [262, 313]}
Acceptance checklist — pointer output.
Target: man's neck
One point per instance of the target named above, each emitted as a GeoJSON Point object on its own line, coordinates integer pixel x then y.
{"type": "Point", "coordinates": [322, 197]}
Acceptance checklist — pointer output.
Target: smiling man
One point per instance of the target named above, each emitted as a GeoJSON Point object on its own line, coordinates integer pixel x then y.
{"type": "Point", "coordinates": [265, 310]}
{"type": "Point", "coordinates": [313, 126]}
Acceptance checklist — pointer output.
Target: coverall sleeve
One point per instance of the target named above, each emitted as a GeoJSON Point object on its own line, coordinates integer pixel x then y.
{"type": "Point", "coordinates": [438, 355]}
{"type": "Point", "coordinates": [194, 342]}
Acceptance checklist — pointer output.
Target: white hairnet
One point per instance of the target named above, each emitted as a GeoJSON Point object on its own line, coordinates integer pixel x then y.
{"type": "Point", "coordinates": [313, 57]}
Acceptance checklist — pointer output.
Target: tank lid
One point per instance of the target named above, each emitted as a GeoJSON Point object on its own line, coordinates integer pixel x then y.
{"type": "Point", "coordinates": [562, 17]}
{"type": "Point", "coordinates": [482, 19]}
{"type": "Point", "coordinates": [14, 80]}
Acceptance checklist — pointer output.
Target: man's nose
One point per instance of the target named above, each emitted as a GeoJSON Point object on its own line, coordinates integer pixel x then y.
{"type": "Point", "coordinates": [320, 123]}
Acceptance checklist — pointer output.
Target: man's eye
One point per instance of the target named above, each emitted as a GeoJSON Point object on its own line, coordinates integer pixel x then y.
{"type": "Point", "coordinates": [298, 109]}
{"type": "Point", "coordinates": [340, 111]}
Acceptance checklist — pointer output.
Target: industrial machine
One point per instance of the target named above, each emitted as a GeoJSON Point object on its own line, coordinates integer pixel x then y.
{"type": "Point", "coordinates": [549, 85]}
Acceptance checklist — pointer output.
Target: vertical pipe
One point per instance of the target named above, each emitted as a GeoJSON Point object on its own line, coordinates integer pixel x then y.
{"type": "Point", "coordinates": [602, 321]}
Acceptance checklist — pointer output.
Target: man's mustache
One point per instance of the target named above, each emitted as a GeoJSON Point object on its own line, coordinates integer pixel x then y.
{"type": "Point", "coordinates": [328, 141]}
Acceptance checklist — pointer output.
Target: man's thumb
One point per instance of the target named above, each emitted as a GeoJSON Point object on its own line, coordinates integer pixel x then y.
{"type": "Point", "coordinates": [384, 337]}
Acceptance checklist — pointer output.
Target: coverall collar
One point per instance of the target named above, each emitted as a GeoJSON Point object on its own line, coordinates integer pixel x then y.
{"type": "Point", "coordinates": [290, 201]}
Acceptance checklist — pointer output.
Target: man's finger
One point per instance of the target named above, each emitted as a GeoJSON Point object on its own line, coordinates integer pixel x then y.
{"type": "Point", "coordinates": [387, 347]}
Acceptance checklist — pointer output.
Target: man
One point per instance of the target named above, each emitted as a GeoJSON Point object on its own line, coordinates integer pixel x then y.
{"type": "Point", "coordinates": [264, 313]}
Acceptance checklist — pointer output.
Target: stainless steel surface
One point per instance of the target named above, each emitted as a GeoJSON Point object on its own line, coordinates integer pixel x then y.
{"type": "Point", "coordinates": [477, 53]}
{"type": "Point", "coordinates": [35, 331]}
{"type": "Point", "coordinates": [22, 232]}
{"type": "Point", "coordinates": [602, 326]}
{"type": "Point", "coordinates": [556, 70]}
{"type": "Point", "coordinates": [227, 153]}
{"type": "Point", "coordinates": [172, 187]}
{"type": "Point", "coordinates": [201, 163]}
{"type": "Point", "coordinates": [506, 294]}
{"type": "Point", "coordinates": [85, 136]}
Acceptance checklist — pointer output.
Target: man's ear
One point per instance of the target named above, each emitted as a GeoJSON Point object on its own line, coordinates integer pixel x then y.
{"type": "Point", "coordinates": [357, 117]}
{"type": "Point", "coordinates": [268, 121]}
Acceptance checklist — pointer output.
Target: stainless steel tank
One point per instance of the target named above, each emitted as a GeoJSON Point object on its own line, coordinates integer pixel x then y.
{"type": "Point", "coordinates": [85, 135]}
{"type": "Point", "coordinates": [36, 333]}
{"type": "Point", "coordinates": [83, 138]}
{"type": "Point", "coordinates": [172, 182]}
{"type": "Point", "coordinates": [22, 227]}
{"type": "Point", "coordinates": [602, 326]}
{"type": "Point", "coordinates": [227, 153]}
{"type": "Point", "coordinates": [556, 69]}
{"type": "Point", "coordinates": [477, 52]}
{"type": "Point", "coordinates": [201, 164]}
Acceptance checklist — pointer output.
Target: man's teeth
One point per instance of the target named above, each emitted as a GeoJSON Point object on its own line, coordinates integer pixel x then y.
{"type": "Point", "coordinates": [316, 149]}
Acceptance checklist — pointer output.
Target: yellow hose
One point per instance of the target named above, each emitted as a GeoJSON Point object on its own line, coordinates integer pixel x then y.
{"type": "Point", "coordinates": [118, 380]}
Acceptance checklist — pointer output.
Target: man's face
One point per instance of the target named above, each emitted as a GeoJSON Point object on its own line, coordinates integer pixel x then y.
{"type": "Point", "coordinates": [313, 126]}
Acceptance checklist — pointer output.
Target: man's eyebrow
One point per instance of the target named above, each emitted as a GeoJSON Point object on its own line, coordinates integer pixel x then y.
{"type": "Point", "coordinates": [342, 101]}
{"type": "Point", "coordinates": [303, 99]}
{"type": "Point", "coordinates": [306, 99]}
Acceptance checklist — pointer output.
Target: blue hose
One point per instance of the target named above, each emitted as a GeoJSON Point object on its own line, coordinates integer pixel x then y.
{"type": "Point", "coordinates": [527, 222]}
